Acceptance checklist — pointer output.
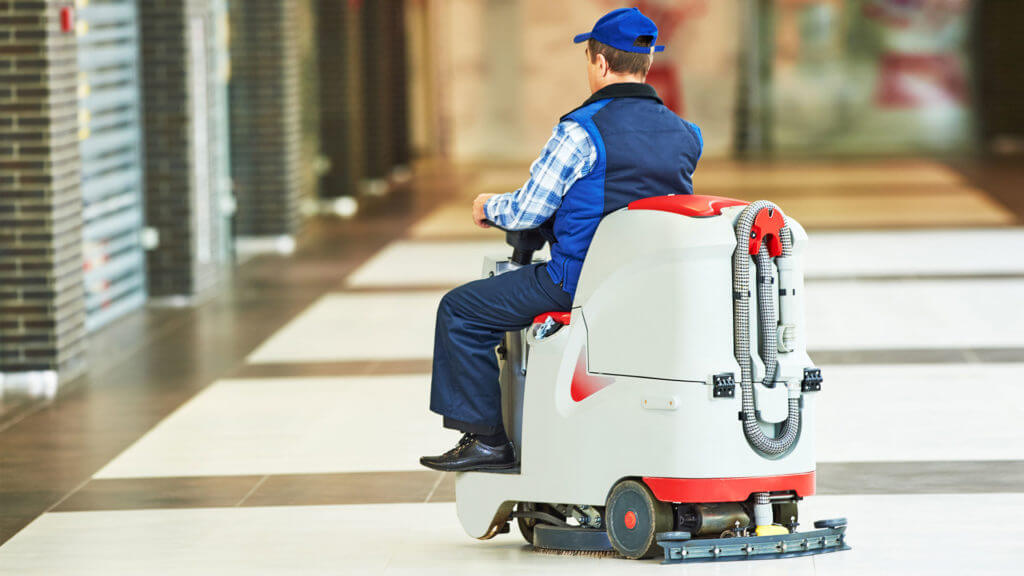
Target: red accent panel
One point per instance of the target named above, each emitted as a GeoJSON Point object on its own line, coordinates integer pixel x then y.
{"type": "Point", "coordinates": [686, 204]}
{"type": "Point", "coordinates": [697, 490]}
{"type": "Point", "coordinates": [767, 225]}
{"type": "Point", "coordinates": [67, 19]}
{"type": "Point", "coordinates": [562, 318]}
{"type": "Point", "coordinates": [584, 383]}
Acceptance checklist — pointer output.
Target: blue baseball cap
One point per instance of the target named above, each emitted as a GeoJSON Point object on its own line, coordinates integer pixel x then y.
{"type": "Point", "coordinates": [620, 29]}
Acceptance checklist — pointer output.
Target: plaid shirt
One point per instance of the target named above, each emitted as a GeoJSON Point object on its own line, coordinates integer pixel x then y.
{"type": "Point", "coordinates": [568, 156]}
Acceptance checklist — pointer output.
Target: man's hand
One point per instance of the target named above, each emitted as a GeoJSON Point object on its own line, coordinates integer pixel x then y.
{"type": "Point", "coordinates": [478, 210]}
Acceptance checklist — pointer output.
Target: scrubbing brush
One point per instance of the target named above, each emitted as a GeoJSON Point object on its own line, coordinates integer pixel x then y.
{"type": "Point", "coordinates": [578, 553]}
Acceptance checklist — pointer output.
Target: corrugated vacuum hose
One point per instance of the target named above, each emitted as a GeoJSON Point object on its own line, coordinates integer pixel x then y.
{"type": "Point", "coordinates": [767, 346]}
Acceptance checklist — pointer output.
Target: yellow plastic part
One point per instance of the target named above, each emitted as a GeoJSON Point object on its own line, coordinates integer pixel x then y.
{"type": "Point", "coordinates": [771, 530]}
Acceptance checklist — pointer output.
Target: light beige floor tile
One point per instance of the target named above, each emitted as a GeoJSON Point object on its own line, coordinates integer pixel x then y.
{"type": "Point", "coordinates": [452, 219]}
{"type": "Point", "coordinates": [895, 413]}
{"type": "Point", "coordinates": [292, 426]}
{"type": "Point", "coordinates": [833, 254]}
{"type": "Point", "coordinates": [340, 327]}
{"type": "Point", "coordinates": [947, 314]}
{"type": "Point", "coordinates": [418, 263]}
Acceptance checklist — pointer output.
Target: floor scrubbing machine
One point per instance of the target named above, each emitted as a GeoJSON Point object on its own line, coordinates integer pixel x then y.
{"type": "Point", "coordinates": [673, 407]}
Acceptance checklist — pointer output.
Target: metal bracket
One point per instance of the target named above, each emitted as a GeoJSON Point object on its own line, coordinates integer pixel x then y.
{"type": "Point", "coordinates": [723, 385]}
{"type": "Point", "coordinates": [812, 380]}
{"type": "Point", "coordinates": [743, 415]}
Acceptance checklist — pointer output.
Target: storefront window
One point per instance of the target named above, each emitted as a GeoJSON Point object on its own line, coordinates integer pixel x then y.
{"type": "Point", "coordinates": [869, 76]}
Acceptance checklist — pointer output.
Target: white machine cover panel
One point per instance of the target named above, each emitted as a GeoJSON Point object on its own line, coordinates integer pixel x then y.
{"type": "Point", "coordinates": [656, 294]}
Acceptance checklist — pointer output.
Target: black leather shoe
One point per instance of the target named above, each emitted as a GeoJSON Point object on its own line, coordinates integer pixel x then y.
{"type": "Point", "coordinates": [471, 454]}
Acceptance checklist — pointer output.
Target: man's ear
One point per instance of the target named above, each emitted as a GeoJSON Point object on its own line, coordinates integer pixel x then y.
{"type": "Point", "coordinates": [602, 64]}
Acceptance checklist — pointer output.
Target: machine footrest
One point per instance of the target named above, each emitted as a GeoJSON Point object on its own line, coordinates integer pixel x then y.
{"type": "Point", "coordinates": [679, 548]}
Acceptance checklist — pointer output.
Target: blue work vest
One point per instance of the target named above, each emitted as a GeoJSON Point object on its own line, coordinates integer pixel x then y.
{"type": "Point", "coordinates": [643, 150]}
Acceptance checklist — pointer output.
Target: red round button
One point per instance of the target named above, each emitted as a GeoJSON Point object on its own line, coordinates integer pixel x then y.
{"type": "Point", "coordinates": [630, 520]}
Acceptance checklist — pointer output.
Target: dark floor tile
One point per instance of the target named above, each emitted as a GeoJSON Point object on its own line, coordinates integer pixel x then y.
{"type": "Point", "coordinates": [21, 502]}
{"type": "Point", "coordinates": [973, 477]}
{"type": "Point", "coordinates": [346, 368]}
{"type": "Point", "coordinates": [942, 356]}
{"type": "Point", "coordinates": [351, 488]}
{"type": "Point", "coordinates": [154, 493]}
{"type": "Point", "coordinates": [1000, 355]}
{"type": "Point", "coordinates": [1000, 177]}
{"type": "Point", "coordinates": [445, 490]}
{"type": "Point", "coordinates": [14, 407]}
{"type": "Point", "coordinates": [888, 278]}
{"type": "Point", "coordinates": [11, 524]}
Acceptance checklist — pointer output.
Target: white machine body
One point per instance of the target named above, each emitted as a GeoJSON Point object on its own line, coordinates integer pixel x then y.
{"type": "Point", "coordinates": [625, 390]}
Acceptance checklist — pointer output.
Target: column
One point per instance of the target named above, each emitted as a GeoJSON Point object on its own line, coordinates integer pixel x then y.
{"type": "Point", "coordinates": [42, 316]}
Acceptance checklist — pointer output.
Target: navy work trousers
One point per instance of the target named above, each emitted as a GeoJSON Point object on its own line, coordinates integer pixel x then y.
{"type": "Point", "coordinates": [471, 321]}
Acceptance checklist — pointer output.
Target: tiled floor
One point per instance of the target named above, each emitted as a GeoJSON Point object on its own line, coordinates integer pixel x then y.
{"type": "Point", "coordinates": [275, 430]}
{"type": "Point", "coordinates": [930, 535]}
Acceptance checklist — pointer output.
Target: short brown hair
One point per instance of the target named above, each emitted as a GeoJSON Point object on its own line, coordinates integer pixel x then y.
{"type": "Point", "coordinates": [621, 61]}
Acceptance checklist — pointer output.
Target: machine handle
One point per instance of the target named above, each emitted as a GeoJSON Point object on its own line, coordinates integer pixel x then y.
{"type": "Point", "coordinates": [523, 242]}
{"type": "Point", "coordinates": [493, 225]}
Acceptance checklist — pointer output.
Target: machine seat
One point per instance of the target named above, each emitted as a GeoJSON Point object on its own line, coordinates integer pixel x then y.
{"type": "Point", "coordinates": [687, 204]}
{"type": "Point", "coordinates": [562, 318]}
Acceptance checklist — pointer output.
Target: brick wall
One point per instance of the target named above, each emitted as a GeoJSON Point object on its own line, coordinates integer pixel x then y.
{"type": "Point", "coordinates": [265, 119]}
{"type": "Point", "coordinates": [41, 295]}
{"type": "Point", "coordinates": [183, 188]}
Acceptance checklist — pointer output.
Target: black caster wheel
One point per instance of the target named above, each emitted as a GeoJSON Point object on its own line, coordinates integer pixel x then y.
{"type": "Point", "coordinates": [634, 517]}
{"type": "Point", "coordinates": [526, 525]}
{"type": "Point", "coordinates": [830, 523]}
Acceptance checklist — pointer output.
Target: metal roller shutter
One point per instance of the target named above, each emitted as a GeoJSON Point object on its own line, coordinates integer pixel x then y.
{"type": "Point", "coordinates": [111, 159]}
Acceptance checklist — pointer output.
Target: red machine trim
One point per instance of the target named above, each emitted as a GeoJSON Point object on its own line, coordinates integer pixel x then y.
{"type": "Point", "coordinates": [686, 204]}
{"type": "Point", "coordinates": [584, 383]}
{"type": "Point", "coordinates": [562, 318]}
{"type": "Point", "coordinates": [767, 225]}
{"type": "Point", "coordinates": [698, 490]}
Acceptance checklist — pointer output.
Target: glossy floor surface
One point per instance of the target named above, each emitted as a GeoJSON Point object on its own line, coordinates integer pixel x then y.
{"type": "Point", "coordinates": [275, 428]}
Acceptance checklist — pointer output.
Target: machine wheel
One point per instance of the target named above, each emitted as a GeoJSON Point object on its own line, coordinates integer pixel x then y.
{"type": "Point", "coordinates": [526, 524]}
{"type": "Point", "coordinates": [633, 517]}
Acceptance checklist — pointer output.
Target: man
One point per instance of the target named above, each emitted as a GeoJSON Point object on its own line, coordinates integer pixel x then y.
{"type": "Point", "coordinates": [621, 145]}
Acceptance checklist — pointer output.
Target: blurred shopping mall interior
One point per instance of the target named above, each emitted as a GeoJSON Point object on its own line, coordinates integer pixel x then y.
{"type": "Point", "coordinates": [225, 226]}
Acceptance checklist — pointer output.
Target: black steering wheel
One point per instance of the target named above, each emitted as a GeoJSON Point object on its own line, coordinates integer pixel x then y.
{"type": "Point", "coordinates": [523, 242]}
